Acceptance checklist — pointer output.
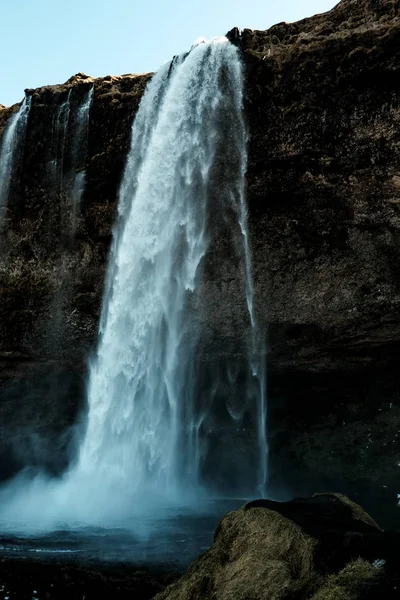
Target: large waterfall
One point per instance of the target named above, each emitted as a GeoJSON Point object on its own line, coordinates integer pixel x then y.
{"type": "Point", "coordinates": [152, 405]}
{"type": "Point", "coordinates": [143, 425]}
{"type": "Point", "coordinates": [11, 145]}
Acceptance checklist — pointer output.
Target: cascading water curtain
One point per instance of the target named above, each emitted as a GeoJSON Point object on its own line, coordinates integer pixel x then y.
{"type": "Point", "coordinates": [148, 434]}
{"type": "Point", "coordinates": [143, 424]}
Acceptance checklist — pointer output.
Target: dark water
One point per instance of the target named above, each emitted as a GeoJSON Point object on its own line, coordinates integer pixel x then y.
{"type": "Point", "coordinates": [172, 540]}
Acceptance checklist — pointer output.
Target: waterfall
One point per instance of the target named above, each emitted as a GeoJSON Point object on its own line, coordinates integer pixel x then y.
{"type": "Point", "coordinates": [151, 410]}
{"type": "Point", "coordinates": [58, 143]}
{"type": "Point", "coordinates": [11, 146]}
{"type": "Point", "coordinates": [67, 165]}
{"type": "Point", "coordinates": [80, 148]}
{"type": "Point", "coordinates": [143, 425]}
{"type": "Point", "coordinates": [256, 346]}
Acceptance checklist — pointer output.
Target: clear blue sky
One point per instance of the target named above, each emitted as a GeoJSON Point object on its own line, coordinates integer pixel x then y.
{"type": "Point", "coordinates": [46, 41]}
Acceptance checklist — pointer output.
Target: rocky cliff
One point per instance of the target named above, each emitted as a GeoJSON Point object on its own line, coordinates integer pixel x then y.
{"type": "Point", "coordinates": [323, 189]}
{"type": "Point", "coordinates": [324, 113]}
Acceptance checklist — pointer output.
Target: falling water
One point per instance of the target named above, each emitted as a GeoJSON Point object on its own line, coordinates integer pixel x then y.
{"type": "Point", "coordinates": [143, 426]}
{"type": "Point", "coordinates": [68, 160]}
{"type": "Point", "coordinates": [58, 143]}
{"type": "Point", "coordinates": [183, 189]}
{"type": "Point", "coordinates": [80, 148]}
{"type": "Point", "coordinates": [256, 348]}
{"type": "Point", "coordinates": [11, 144]}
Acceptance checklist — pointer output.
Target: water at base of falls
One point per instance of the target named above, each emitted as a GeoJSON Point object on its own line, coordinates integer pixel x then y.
{"type": "Point", "coordinates": [147, 438]}
{"type": "Point", "coordinates": [170, 539]}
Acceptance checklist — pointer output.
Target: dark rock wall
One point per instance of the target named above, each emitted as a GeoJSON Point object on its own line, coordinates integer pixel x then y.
{"type": "Point", "coordinates": [323, 112]}
{"type": "Point", "coordinates": [323, 108]}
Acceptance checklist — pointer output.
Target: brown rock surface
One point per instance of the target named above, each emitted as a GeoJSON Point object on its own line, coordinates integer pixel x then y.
{"type": "Point", "coordinates": [323, 107]}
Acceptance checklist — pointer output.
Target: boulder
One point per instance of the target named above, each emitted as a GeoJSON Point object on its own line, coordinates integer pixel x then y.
{"type": "Point", "coordinates": [301, 550]}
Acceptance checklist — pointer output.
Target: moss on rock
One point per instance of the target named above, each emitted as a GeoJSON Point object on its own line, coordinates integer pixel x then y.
{"type": "Point", "coordinates": [262, 552]}
{"type": "Point", "coordinates": [351, 583]}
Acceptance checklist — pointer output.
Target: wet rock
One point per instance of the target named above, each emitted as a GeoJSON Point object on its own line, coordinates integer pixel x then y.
{"type": "Point", "coordinates": [234, 36]}
{"type": "Point", "coordinates": [323, 112]}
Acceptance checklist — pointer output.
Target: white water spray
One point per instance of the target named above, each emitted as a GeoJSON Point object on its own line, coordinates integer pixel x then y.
{"type": "Point", "coordinates": [143, 426]}
{"type": "Point", "coordinates": [144, 443]}
{"type": "Point", "coordinates": [12, 141]}
{"type": "Point", "coordinates": [141, 386]}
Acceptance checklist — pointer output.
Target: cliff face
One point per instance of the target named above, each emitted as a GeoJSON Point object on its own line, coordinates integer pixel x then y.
{"type": "Point", "coordinates": [323, 180]}
{"type": "Point", "coordinates": [323, 111]}
{"type": "Point", "coordinates": [323, 189]}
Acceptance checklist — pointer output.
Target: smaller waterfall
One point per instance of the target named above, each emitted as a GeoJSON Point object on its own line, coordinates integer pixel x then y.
{"type": "Point", "coordinates": [68, 160]}
{"type": "Point", "coordinates": [68, 152]}
{"type": "Point", "coordinates": [11, 144]}
{"type": "Point", "coordinates": [256, 349]}
{"type": "Point", "coordinates": [155, 423]}
{"type": "Point", "coordinates": [80, 149]}
{"type": "Point", "coordinates": [58, 143]}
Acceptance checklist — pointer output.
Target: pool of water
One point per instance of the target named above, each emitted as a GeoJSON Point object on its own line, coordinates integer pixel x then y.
{"type": "Point", "coordinates": [172, 540]}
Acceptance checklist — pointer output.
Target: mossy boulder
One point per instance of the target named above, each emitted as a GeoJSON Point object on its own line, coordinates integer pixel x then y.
{"type": "Point", "coordinates": [351, 583]}
{"type": "Point", "coordinates": [295, 550]}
